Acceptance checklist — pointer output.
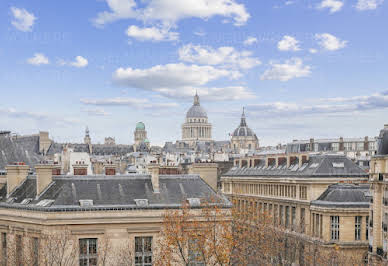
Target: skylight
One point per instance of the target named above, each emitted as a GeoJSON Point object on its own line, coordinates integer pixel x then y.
{"type": "Point", "coordinates": [45, 203]}
{"type": "Point", "coordinates": [85, 203]}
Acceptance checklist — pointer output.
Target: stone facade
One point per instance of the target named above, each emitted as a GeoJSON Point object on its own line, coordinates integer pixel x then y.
{"type": "Point", "coordinates": [285, 187]}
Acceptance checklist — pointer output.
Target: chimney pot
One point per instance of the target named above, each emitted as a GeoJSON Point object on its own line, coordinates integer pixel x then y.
{"type": "Point", "coordinates": [153, 169]}
{"type": "Point", "coordinates": [44, 176]}
{"type": "Point", "coordinates": [16, 174]}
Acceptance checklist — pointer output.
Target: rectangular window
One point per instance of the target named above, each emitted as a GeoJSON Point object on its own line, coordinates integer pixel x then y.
{"type": "Point", "coordinates": [88, 251]}
{"type": "Point", "coordinates": [4, 248]}
{"type": "Point", "coordinates": [293, 218]}
{"type": "Point", "coordinates": [19, 250]}
{"type": "Point", "coordinates": [334, 227]}
{"type": "Point", "coordinates": [195, 257]}
{"type": "Point", "coordinates": [280, 214]}
{"type": "Point", "coordinates": [360, 146]}
{"type": "Point", "coordinates": [367, 227]}
{"type": "Point", "coordinates": [35, 251]}
{"type": "Point", "coordinates": [357, 227]}
{"type": "Point", "coordinates": [303, 192]}
{"type": "Point", "coordinates": [143, 251]}
{"type": "Point", "coordinates": [335, 146]}
{"type": "Point", "coordinates": [302, 220]}
{"type": "Point", "coordinates": [287, 216]}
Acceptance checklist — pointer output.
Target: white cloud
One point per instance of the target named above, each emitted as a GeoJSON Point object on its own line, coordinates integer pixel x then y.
{"type": "Point", "coordinates": [169, 12]}
{"type": "Point", "coordinates": [96, 112]}
{"type": "Point", "coordinates": [291, 69]}
{"type": "Point", "coordinates": [38, 59]}
{"type": "Point", "coordinates": [313, 51]}
{"type": "Point", "coordinates": [229, 93]}
{"type": "Point", "coordinates": [79, 62]}
{"type": "Point", "coordinates": [368, 4]}
{"type": "Point", "coordinates": [23, 20]}
{"type": "Point", "coordinates": [250, 40]}
{"type": "Point", "coordinates": [151, 34]}
{"type": "Point", "coordinates": [328, 106]}
{"type": "Point", "coordinates": [288, 43]}
{"type": "Point", "coordinates": [330, 42]}
{"type": "Point", "coordinates": [170, 76]}
{"type": "Point", "coordinates": [333, 5]}
{"type": "Point", "coordinates": [127, 101]}
{"type": "Point", "coordinates": [224, 56]}
{"type": "Point", "coordinates": [200, 33]}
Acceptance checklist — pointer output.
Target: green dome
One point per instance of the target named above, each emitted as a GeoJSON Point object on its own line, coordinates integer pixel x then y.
{"type": "Point", "coordinates": [146, 141]}
{"type": "Point", "coordinates": [140, 125]}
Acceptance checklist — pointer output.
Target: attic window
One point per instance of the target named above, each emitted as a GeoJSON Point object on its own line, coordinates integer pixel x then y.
{"type": "Point", "coordinates": [314, 165]}
{"type": "Point", "coordinates": [338, 165]}
{"type": "Point", "coordinates": [141, 202]}
{"type": "Point", "coordinates": [26, 201]}
{"type": "Point", "coordinates": [10, 200]}
{"type": "Point", "coordinates": [194, 202]}
{"type": "Point", "coordinates": [45, 203]}
{"type": "Point", "coordinates": [85, 203]}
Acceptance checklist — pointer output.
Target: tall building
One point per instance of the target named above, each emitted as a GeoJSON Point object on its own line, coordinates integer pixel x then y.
{"type": "Point", "coordinates": [196, 127]}
{"type": "Point", "coordinates": [243, 138]}
{"type": "Point", "coordinates": [141, 141]}
{"type": "Point", "coordinates": [378, 179]}
{"type": "Point", "coordinates": [87, 139]}
{"type": "Point", "coordinates": [126, 211]}
{"type": "Point", "coordinates": [322, 199]}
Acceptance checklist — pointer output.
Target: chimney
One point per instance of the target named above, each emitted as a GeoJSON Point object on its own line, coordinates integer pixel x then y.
{"type": "Point", "coordinates": [57, 169]}
{"type": "Point", "coordinates": [44, 176]}
{"type": "Point", "coordinates": [110, 169]}
{"type": "Point", "coordinates": [341, 144]}
{"type": "Point", "coordinates": [311, 144]}
{"type": "Point", "coordinates": [16, 174]}
{"type": "Point", "coordinates": [80, 168]}
{"type": "Point", "coordinates": [153, 169]}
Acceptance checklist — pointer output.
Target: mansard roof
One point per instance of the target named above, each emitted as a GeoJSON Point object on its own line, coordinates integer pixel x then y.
{"type": "Point", "coordinates": [344, 196]}
{"type": "Point", "coordinates": [110, 193]}
{"type": "Point", "coordinates": [327, 165]}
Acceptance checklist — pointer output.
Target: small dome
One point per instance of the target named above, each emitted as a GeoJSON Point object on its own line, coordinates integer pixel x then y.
{"type": "Point", "coordinates": [243, 130]}
{"type": "Point", "coordinates": [196, 111]}
{"type": "Point", "coordinates": [146, 141]}
{"type": "Point", "coordinates": [140, 125]}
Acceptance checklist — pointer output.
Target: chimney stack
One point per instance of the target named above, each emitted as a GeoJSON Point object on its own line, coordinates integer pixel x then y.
{"type": "Point", "coordinates": [80, 168]}
{"type": "Point", "coordinates": [16, 174]}
{"type": "Point", "coordinates": [110, 168]}
{"type": "Point", "coordinates": [44, 176]}
{"type": "Point", "coordinates": [153, 169]}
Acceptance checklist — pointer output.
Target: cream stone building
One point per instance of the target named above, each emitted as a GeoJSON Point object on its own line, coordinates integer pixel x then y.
{"type": "Point", "coordinates": [126, 210]}
{"type": "Point", "coordinates": [297, 192]}
{"type": "Point", "coordinates": [243, 138]}
{"type": "Point", "coordinates": [378, 179]}
{"type": "Point", "coordinates": [196, 127]}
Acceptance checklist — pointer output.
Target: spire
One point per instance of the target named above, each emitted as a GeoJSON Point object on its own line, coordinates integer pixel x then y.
{"type": "Point", "coordinates": [87, 131]}
{"type": "Point", "coordinates": [196, 98]}
{"type": "Point", "coordinates": [243, 123]}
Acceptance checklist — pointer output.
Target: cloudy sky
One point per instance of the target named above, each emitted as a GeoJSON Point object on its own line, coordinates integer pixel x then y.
{"type": "Point", "coordinates": [301, 68]}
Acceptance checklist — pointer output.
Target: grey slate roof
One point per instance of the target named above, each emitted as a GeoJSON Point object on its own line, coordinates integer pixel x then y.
{"type": "Point", "coordinates": [111, 192]}
{"type": "Point", "coordinates": [327, 165]}
{"type": "Point", "coordinates": [344, 196]}
{"type": "Point", "coordinates": [23, 149]}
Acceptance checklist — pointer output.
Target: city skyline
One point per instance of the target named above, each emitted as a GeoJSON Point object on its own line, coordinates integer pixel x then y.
{"type": "Point", "coordinates": [109, 64]}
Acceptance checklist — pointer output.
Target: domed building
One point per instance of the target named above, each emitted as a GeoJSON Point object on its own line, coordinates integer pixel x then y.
{"type": "Point", "coordinates": [140, 136]}
{"type": "Point", "coordinates": [243, 138]}
{"type": "Point", "coordinates": [196, 127]}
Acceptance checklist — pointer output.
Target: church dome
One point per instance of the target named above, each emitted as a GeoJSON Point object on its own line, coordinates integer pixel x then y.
{"type": "Point", "coordinates": [140, 125]}
{"type": "Point", "coordinates": [243, 130]}
{"type": "Point", "coordinates": [196, 111]}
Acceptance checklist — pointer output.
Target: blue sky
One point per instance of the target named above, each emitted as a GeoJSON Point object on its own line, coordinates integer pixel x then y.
{"type": "Point", "coordinates": [300, 68]}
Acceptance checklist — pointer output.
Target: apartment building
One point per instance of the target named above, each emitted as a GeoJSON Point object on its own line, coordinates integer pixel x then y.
{"type": "Point", "coordinates": [297, 192]}
{"type": "Point", "coordinates": [93, 209]}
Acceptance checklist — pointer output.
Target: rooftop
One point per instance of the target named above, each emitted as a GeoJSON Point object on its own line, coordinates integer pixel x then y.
{"type": "Point", "coordinates": [69, 193]}
{"type": "Point", "coordinates": [327, 165]}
